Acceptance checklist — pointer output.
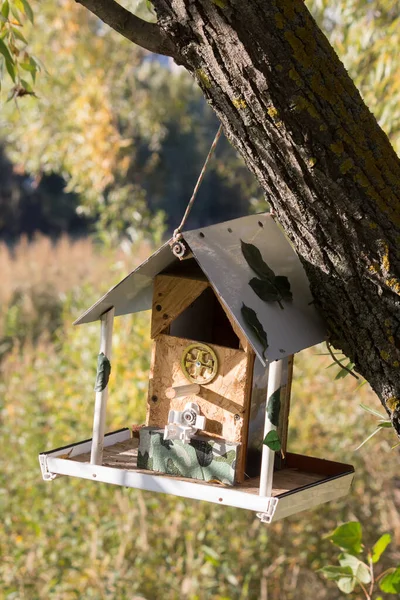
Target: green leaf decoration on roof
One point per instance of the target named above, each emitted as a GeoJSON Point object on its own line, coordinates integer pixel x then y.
{"type": "Point", "coordinates": [269, 287]}
{"type": "Point", "coordinates": [274, 407]}
{"type": "Point", "coordinates": [103, 372]}
{"type": "Point", "coordinates": [272, 441]}
{"type": "Point", "coordinates": [254, 324]}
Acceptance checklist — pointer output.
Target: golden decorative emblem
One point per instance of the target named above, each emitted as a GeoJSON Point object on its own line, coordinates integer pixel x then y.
{"type": "Point", "coordinates": [199, 363]}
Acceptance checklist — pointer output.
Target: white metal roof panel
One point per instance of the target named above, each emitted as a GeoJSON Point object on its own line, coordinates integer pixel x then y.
{"type": "Point", "coordinates": [135, 292]}
{"type": "Point", "coordinates": [218, 251]}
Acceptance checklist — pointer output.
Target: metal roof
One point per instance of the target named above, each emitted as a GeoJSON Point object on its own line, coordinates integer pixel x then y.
{"type": "Point", "coordinates": [217, 250]}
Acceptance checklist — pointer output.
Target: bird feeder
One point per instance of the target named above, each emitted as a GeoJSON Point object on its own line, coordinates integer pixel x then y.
{"type": "Point", "coordinates": [230, 306]}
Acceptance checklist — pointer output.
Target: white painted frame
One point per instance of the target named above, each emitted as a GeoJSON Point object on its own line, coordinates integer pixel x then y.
{"type": "Point", "coordinates": [58, 462]}
{"type": "Point", "coordinates": [268, 455]}
{"type": "Point", "coordinates": [100, 407]}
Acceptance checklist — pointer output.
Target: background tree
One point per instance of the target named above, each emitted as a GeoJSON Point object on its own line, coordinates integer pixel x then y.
{"type": "Point", "coordinates": [118, 124]}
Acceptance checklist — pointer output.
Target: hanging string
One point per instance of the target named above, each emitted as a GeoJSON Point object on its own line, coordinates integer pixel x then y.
{"type": "Point", "coordinates": [177, 233]}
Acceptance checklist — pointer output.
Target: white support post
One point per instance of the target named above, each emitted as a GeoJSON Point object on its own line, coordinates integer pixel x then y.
{"type": "Point", "coordinates": [268, 455]}
{"type": "Point", "coordinates": [99, 419]}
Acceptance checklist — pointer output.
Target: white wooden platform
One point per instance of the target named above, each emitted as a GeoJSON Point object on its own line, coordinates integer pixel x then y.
{"type": "Point", "coordinates": [304, 484]}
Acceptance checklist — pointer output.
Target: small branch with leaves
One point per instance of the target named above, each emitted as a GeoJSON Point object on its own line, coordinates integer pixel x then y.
{"type": "Point", "coordinates": [357, 565]}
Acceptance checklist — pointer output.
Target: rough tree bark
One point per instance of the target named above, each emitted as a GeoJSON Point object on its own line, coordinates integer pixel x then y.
{"type": "Point", "coordinates": [288, 105]}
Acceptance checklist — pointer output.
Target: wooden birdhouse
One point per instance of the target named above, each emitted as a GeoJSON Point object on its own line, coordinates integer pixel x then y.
{"type": "Point", "coordinates": [230, 306]}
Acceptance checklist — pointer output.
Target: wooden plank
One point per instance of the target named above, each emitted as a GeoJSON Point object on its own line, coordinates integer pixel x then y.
{"type": "Point", "coordinates": [240, 469]}
{"type": "Point", "coordinates": [317, 465]}
{"type": "Point", "coordinates": [171, 296]}
{"type": "Point", "coordinates": [224, 402]}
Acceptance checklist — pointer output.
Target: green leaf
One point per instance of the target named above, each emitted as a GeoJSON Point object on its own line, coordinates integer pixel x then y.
{"type": "Point", "coordinates": [27, 86]}
{"type": "Point", "coordinates": [11, 69]}
{"type": "Point", "coordinates": [335, 573]}
{"type": "Point", "coordinates": [367, 439]}
{"type": "Point", "coordinates": [391, 582]}
{"type": "Point", "coordinates": [18, 35]}
{"type": "Point", "coordinates": [220, 3]}
{"type": "Point", "coordinates": [27, 66]}
{"type": "Point", "coordinates": [380, 547]}
{"type": "Point", "coordinates": [256, 262]}
{"type": "Point", "coordinates": [272, 441]}
{"type": "Point", "coordinates": [348, 537]}
{"type": "Point", "coordinates": [5, 9]}
{"type": "Point", "coordinates": [344, 372]}
{"type": "Point", "coordinates": [28, 10]}
{"type": "Point", "coordinates": [252, 321]}
{"type": "Point", "coordinates": [274, 407]}
{"type": "Point", "coordinates": [19, 5]}
{"type": "Point", "coordinates": [372, 411]}
{"type": "Point", "coordinates": [384, 425]}
{"type": "Point", "coordinates": [103, 372]}
{"type": "Point", "coordinates": [346, 584]}
{"type": "Point", "coordinates": [5, 52]}
{"type": "Point", "coordinates": [359, 569]}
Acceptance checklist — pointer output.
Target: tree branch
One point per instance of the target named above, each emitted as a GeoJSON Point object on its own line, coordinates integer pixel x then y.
{"type": "Point", "coordinates": [147, 35]}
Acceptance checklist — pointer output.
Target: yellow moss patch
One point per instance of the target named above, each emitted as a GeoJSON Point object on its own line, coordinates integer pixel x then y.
{"type": "Point", "coordinates": [391, 339]}
{"type": "Point", "coordinates": [337, 147]}
{"type": "Point", "coordinates": [203, 78]}
{"type": "Point", "coordinates": [392, 403]}
{"type": "Point", "coordinates": [287, 8]}
{"type": "Point", "coordinates": [393, 284]}
{"type": "Point", "coordinates": [346, 166]}
{"type": "Point", "coordinates": [385, 257]}
{"type": "Point", "coordinates": [372, 225]}
{"type": "Point", "coordinates": [279, 21]}
{"type": "Point", "coordinates": [320, 89]}
{"type": "Point", "coordinates": [298, 48]}
{"type": "Point", "coordinates": [239, 103]}
{"type": "Point", "coordinates": [373, 268]}
{"type": "Point", "coordinates": [385, 355]}
{"type": "Point", "coordinates": [323, 128]}
{"type": "Point", "coordinates": [304, 104]}
{"type": "Point", "coordinates": [293, 74]}
{"type": "Point", "coordinates": [279, 68]}
{"type": "Point", "coordinates": [272, 111]}
{"type": "Point", "coordinates": [312, 161]}
{"type": "Point", "coordinates": [396, 363]}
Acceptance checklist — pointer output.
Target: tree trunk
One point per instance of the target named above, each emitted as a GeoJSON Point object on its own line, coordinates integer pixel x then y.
{"type": "Point", "coordinates": [329, 172]}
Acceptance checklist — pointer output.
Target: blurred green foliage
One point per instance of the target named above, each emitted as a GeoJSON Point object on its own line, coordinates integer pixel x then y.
{"type": "Point", "coordinates": [357, 568]}
{"type": "Point", "coordinates": [77, 539]}
{"type": "Point", "coordinates": [127, 131]}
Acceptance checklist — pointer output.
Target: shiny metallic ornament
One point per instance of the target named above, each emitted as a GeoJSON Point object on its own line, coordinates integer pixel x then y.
{"type": "Point", "coordinates": [199, 363]}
